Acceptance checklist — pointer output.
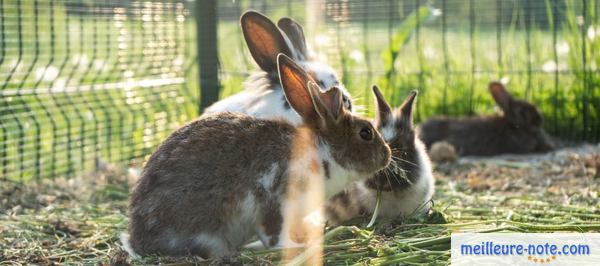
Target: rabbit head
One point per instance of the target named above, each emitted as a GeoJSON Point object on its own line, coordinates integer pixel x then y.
{"type": "Point", "coordinates": [407, 183]}
{"type": "Point", "coordinates": [396, 126]}
{"type": "Point", "coordinates": [352, 142]}
{"type": "Point", "coordinates": [521, 115]}
{"type": "Point", "coordinates": [266, 40]}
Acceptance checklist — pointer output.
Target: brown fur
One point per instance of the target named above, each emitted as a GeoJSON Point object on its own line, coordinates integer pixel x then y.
{"type": "Point", "coordinates": [398, 181]}
{"type": "Point", "coordinates": [518, 130]}
{"type": "Point", "coordinates": [191, 198]}
{"type": "Point", "coordinates": [192, 168]}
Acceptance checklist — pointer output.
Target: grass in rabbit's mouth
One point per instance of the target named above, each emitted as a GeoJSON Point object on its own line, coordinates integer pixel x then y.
{"type": "Point", "coordinates": [50, 222]}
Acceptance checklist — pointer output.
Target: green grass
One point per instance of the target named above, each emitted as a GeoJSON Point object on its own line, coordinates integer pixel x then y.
{"type": "Point", "coordinates": [79, 221]}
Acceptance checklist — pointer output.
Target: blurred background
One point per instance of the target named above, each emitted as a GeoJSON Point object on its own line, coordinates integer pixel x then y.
{"type": "Point", "coordinates": [84, 83]}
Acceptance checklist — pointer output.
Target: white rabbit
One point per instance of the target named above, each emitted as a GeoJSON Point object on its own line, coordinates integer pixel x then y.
{"type": "Point", "coordinates": [263, 96]}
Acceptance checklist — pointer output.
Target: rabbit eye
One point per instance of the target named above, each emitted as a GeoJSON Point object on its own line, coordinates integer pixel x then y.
{"type": "Point", "coordinates": [366, 134]}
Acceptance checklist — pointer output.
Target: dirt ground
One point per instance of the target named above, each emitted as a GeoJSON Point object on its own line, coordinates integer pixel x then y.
{"type": "Point", "coordinates": [79, 220]}
{"type": "Point", "coordinates": [569, 175]}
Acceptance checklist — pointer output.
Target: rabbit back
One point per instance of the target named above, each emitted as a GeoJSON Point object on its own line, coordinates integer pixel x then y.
{"type": "Point", "coordinates": [484, 136]}
{"type": "Point", "coordinates": [193, 198]}
{"type": "Point", "coordinates": [260, 103]}
{"type": "Point", "coordinates": [518, 130]}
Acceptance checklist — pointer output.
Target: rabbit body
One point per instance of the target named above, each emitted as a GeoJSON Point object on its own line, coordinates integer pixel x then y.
{"type": "Point", "coordinates": [195, 198]}
{"type": "Point", "coordinates": [484, 136]}
{"type": "Point", "coordinates": [225, 178]}
{"type": "Point", "coordinates": [519, 130]}
{"type": "Point", "coordinates": [209, 196]}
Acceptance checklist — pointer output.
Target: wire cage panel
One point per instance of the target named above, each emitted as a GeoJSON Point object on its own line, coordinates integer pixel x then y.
{"type": "Point", "coordinates": [546, 51]}
{"type": "Point", "coordinates": [84, 83]}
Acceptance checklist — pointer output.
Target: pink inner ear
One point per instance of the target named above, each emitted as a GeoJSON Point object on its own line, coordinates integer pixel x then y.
{"type": "Point", "coordinates": [295, 85]}
{"type": "Point", "coordinates": [333, 101]}
{"type": "Point", "coordinates": [264, 40]}
{"type": "Point", "coordinates": [501, 96]}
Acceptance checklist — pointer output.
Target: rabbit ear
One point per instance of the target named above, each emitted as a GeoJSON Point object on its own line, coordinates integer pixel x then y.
{"type": "Point", "coordinates": [305, 96]}
{"type": "Point", "coordinates": [332, 100]}
{"type": "Point", "coordinates": [501, 96]}
{"type": "Point", "coordinates": [294, 32]}
{"type": "Point", "coordinates": [406, 108]}
{"type": "Point", "coordinates": [264, 40]}
{"type": "Point", "coordinates": [384, 111]}
{"type": "Point", "coordinates": [294, 81]}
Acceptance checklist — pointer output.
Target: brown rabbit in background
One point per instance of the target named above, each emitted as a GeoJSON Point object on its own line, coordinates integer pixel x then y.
{"type": "Point", "coordinates": [221, 180]}
{"type": "Point", "coordinates": [519, 130]}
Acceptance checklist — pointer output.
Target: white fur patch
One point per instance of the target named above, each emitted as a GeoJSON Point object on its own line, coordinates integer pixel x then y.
{"type": "Point", "coordinates": [316, 218]}
{"type": "Point", "coordinates": [266, 180]}
{"type": "Point", "coordinates": [389, 131]}
{"type": "Point", "coordinates": [266, 104]}
{"type": "Point", "coordinates": [127, 246]}
{"type": "Point", "coordinates": [339, 177]}
{"type": "Point", "coordinates": [260, 100]}
{"type": "Point", "coordinates": [238, 229]}
{"type": "Point", "coordinates": [215, 245]}
{"type": "Point", "coordinates": [327, 77]}
{"type": "Point", "coordinates": [323, 73]}
{"type": "Point", "coordinates": [256, 245]}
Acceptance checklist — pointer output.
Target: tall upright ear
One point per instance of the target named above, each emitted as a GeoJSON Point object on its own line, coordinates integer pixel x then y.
{"type": "Point", "coordinates": [294, 81]}
{"type": "Point", "coordinates": [264, 40]}
{"type": "Point", "coordinates": [406, 109]}
{"type": "Point", "coordinates": [332, 100]}
{"type": "Point", "coordinates": [384, 111]}
{"type": "Point", "coordinates": [294, 32]}
{"type": "Point", "coordinates": [501, 95]}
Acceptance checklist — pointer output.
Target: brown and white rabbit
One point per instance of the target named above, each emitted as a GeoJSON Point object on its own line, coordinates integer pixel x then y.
{"type": "Point", "coordinates": [519, 130]}
{"type": "Point", "coordinates": [263, 96]}
{"type": "Point", "coordinates": [407, 183]}
{"type": "Point", "coordinates": [219, 181]}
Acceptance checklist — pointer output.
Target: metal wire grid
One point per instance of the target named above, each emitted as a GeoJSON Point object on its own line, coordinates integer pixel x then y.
{"type": "Point", "coordinates": [87, 82]}
{"type": "Point", "coordinates": [83, 83]}
{"type": "Point", "coordinates": [474, 42]}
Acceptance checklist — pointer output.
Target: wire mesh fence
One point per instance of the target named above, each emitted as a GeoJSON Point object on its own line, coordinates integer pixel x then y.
{"type": "Point", "coordinates": [547, 50]}
{"type": "Point", "coordinates": [83, 82]}
{"type": "Point", "coordinates": [88, 82]}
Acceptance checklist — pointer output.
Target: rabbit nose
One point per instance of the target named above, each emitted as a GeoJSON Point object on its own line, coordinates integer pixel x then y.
{"type": "Point", "coordinates": [387, 155]}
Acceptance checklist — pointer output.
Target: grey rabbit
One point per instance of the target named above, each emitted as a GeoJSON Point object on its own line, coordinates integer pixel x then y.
{"type": "Point", "coordinates": [219, 181]}
{"type": "Point", "coordinates": [519, 130]}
